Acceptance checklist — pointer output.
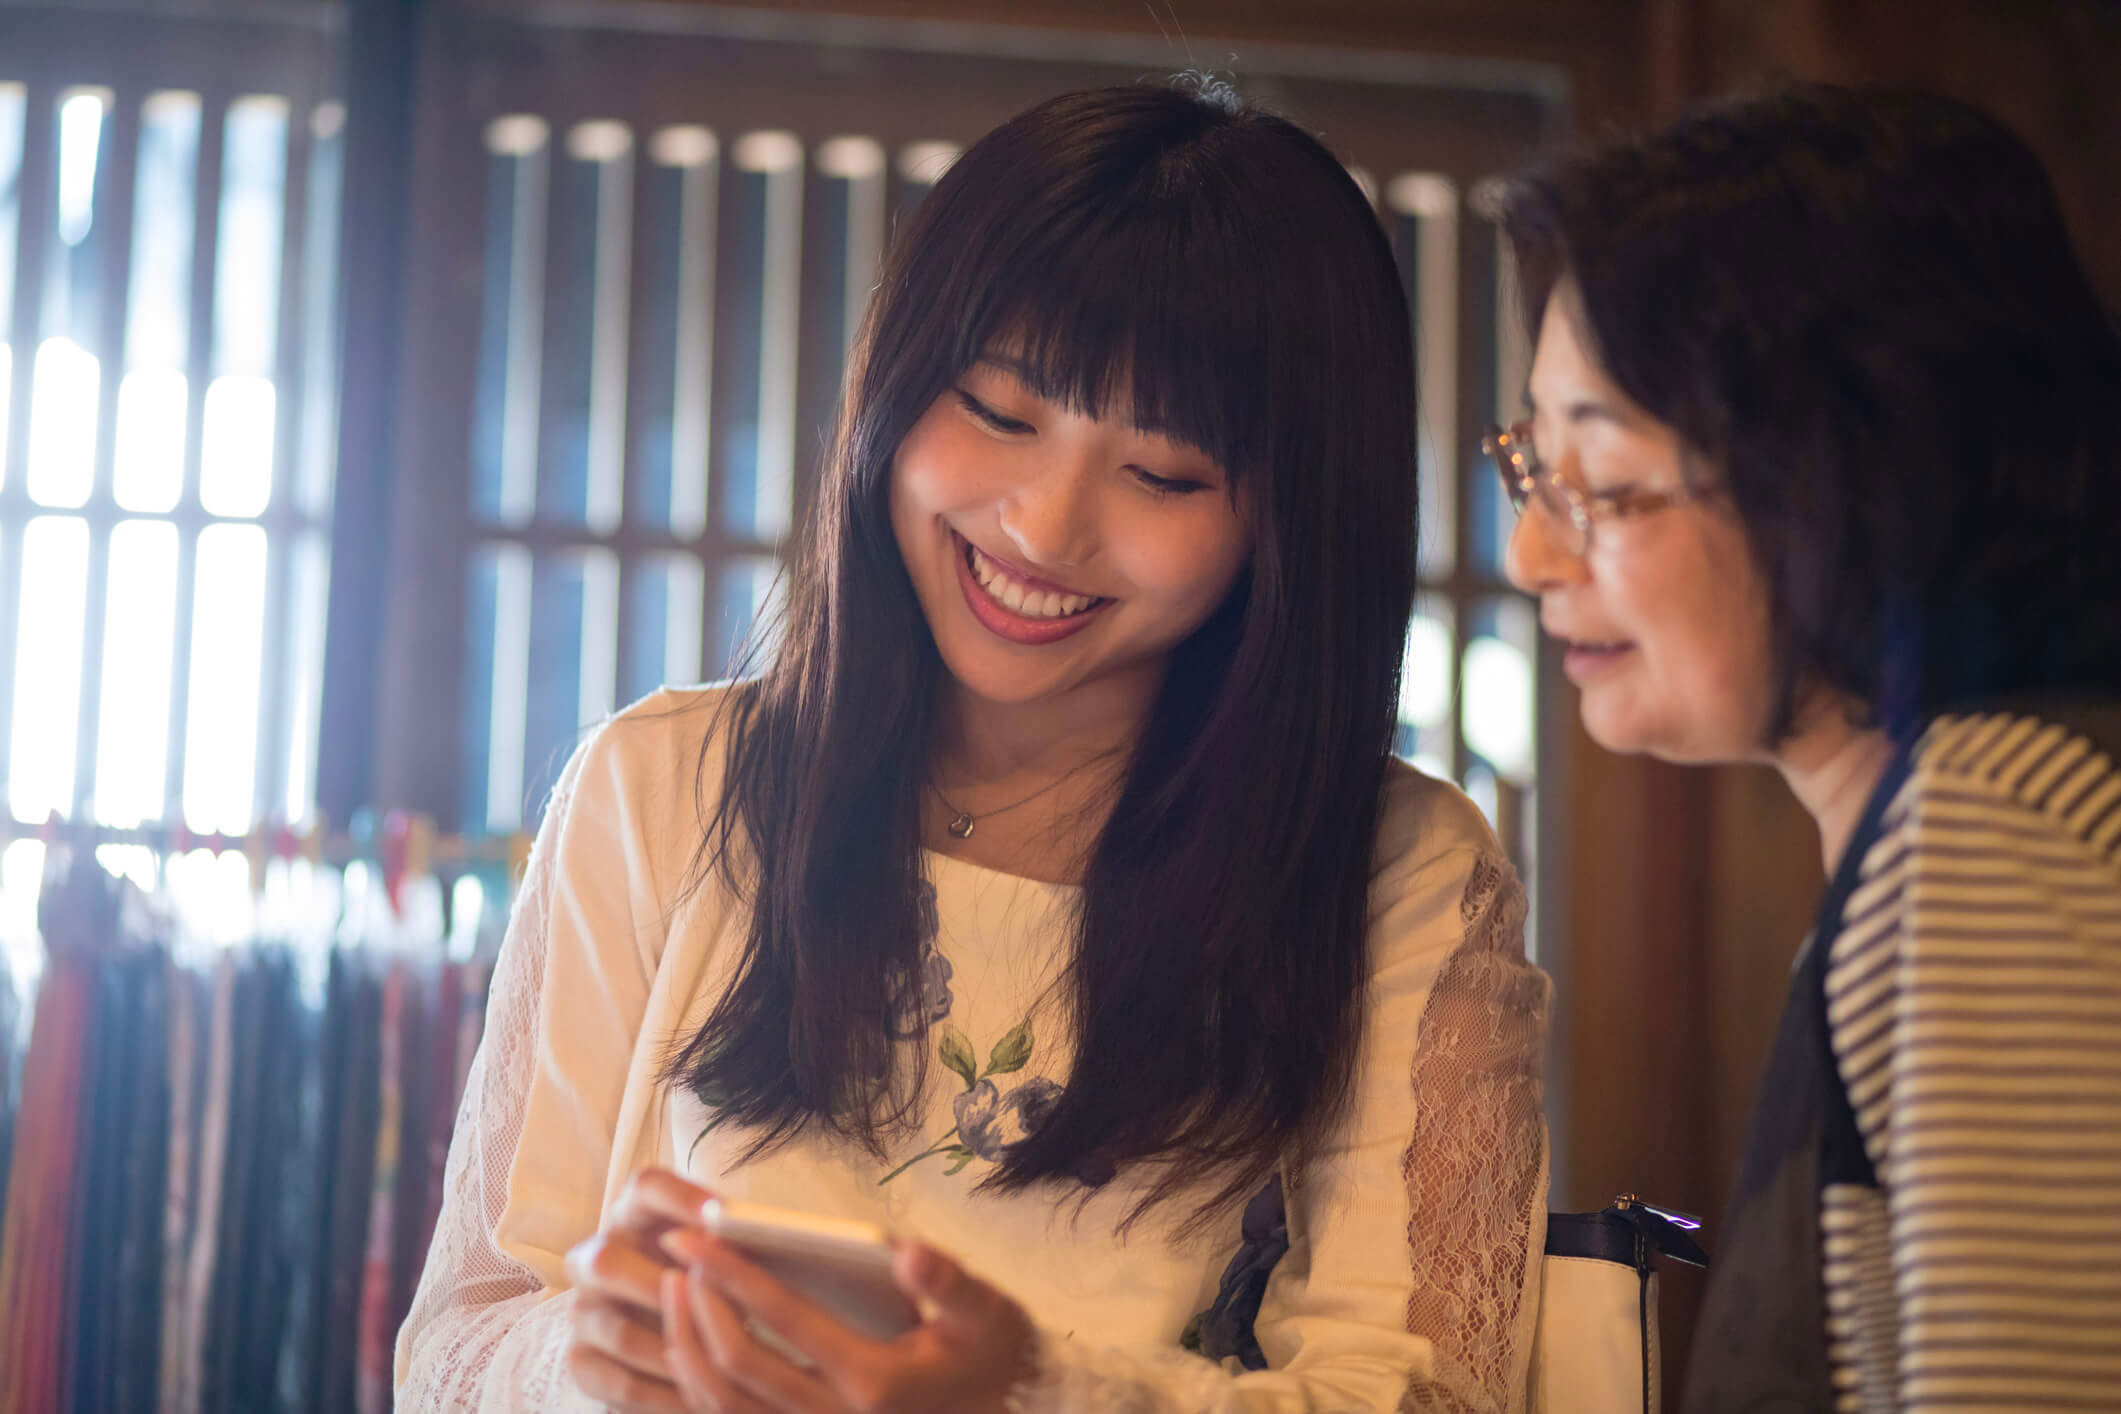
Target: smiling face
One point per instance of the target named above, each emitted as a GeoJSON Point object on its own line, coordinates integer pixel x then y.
{"type": "Point", "coordinates": [1665, 619]}
{"type": "Point", "coordinates": [1053, 551]}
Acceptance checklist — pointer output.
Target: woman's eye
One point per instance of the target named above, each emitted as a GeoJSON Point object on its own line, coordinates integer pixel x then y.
{"type": "Point", "coordinates": [982, 413]}
{"type": "Point", "coordinates": [1165, 485]}
{"type": "Point", "coordinates": [1618, 500]}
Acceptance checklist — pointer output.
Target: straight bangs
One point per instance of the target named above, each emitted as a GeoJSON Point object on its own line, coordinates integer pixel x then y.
{"type": "Point", "coordinates": [1113, 247]}
{"type": "Point", "coordinates": [1145, 315]}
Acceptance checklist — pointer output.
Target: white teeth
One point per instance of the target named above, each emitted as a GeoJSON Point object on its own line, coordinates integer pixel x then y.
{"type": "Point", "coordinates": [1031, 603]}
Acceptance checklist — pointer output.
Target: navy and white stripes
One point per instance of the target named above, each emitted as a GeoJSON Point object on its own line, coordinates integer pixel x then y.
{"type": "Point", "coordinates": [1974, 1000]}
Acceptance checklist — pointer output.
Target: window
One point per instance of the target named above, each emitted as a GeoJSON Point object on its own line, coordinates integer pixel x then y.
{"type": "Point", "coordinates": [629, 401]}
{"type": "Point", "coordinates": [607, 560]}
{"type": "Point", "coordinates": [1469, 697]}
{"type": "Point", "coordinates": [168, 227]}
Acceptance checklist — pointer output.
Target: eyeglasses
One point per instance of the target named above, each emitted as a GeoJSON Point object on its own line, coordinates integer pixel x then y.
{"type": "Point", "coordinates": [1575, 513]}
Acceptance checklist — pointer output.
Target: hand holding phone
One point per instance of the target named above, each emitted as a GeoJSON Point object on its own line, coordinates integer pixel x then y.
{"type": "Point", "coordinates": [842, 1265]}
{"type": "Point", "coordinates": [612, 1351]}
{"type": "Point", "coordinates": [948, 1340]}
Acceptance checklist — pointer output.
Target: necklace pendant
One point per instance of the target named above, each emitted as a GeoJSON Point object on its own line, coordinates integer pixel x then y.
{"type": "Point", "coordinates": [961, 827]}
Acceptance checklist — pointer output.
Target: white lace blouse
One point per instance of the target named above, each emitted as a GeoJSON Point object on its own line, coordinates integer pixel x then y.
{"type": "Point", "coordinates": [1411, 1276]}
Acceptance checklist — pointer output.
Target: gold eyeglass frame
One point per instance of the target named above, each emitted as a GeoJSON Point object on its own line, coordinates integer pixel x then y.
{"type": "Point", "coordinates": [1526, 479]}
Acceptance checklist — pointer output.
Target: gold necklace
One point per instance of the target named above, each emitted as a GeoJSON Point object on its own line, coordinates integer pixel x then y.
{"type": "Point", "coordinates": [962, 821]}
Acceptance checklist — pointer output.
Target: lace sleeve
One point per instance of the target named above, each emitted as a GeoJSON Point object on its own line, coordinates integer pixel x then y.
{"type": "Point", "coordinates": [1476, 1164]}
{"type": "Point", "coordinates": [488, 1327]}
{"type": "Point", "coordinates": [1411, 1279]}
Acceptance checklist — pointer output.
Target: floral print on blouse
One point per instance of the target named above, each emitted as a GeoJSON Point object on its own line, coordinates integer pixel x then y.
{"type": "Point", "coordinates": [991, 1119]}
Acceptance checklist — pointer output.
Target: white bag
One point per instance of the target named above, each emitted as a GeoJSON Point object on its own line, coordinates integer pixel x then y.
{"type": "Point", "coordinates": [1595, 1350]}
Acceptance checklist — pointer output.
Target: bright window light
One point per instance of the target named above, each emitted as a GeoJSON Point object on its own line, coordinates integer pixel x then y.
{"type": "Point", "coordinates": [21, 883]}
{"type": "Point", "coordinates": [1425, 674]}
{"type": "Point", "coordinates": [305, 678]}
{"type": "Point", "coordinates": [13, 103]}
{"type": "Point", "coordinates": [158, 316]}
{"type": "Point", "coordinates": [7, 387]}
{"type": "Point", "coordinates": [62, 424]}
{"type": "Point", "coordinates": [80, 138]}
{"type": "Point", "coordinates": [148, 468]}
{"type": "Point", "coordinates": [211, 895]}
{"type": "Point", "coordinates": [236, 445]}
{"type": "Point", "coordinates": [221, 715]}
{"type": "Point", "coordinates": [48, 669]}
{"type": "Point", "coordinates": [247, 259]}
{"type": "Point", "coordinates": [132, 736]}
{"type": "Point", "coordinates": [923, 163]}
{"type": "Point", "coordinates": [1498, 705]}
{"type": "Point", "coordinates": [236, 461]}
{"type": "Point", "coordinates": [154, 394]}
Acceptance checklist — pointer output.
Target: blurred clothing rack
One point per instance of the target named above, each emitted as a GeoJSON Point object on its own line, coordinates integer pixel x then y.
{"type": "Point", "coordinates": [416, 835]}
{"type": "Point", "coordinates": [400, 844]}
{"type": "Point", "coordinates": [220, 1167]}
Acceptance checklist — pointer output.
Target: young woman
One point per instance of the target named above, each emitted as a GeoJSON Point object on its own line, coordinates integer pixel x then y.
{"type": "Point", "coordinates": [1052, 893]}
{"type": "Point", "coordinates": [1823, 473]}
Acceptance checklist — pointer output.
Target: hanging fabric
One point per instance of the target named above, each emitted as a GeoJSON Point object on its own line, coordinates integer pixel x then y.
{"type": "Point", "coordinates": [221, 1167]}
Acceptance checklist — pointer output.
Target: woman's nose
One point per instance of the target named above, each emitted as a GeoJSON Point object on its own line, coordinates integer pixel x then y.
{"type": "Point", "coordinates": [1537, 558]}
{"type": "Point", "coordinates": [1051, 519]}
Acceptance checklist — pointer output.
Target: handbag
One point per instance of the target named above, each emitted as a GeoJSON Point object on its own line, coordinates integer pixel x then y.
{"type": "Point", "coordinates": [1594, 1349]}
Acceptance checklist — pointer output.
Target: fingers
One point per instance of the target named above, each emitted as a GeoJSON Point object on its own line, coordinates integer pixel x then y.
{"type": "Point", "coordinates": [620, 1334]}
{"type": "Point", "coordinates": [992, 1340]}
{"type": "Point", "coordinates": [738, 1353]}
{"type": "Point", "coordinates": [620, 1386]}
{"type": "Point", "coordinates": [623, 1261]}
{"type": "Point", "coordinates": [612, 1266]}
{"type": "Point", "coordinates": [655, 1199]}
{"type": "Point", "coordinates": [704, 1387]}
{"type": "Point", "coordinates": [958, 1302]}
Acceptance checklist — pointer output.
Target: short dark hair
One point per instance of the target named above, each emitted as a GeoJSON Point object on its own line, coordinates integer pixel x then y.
{"type": "Point", "coordinates": [1861, 307]}
{"type": "Point", "coordinates": [1212, 270]}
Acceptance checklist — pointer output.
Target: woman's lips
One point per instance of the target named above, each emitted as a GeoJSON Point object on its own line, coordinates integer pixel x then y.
{"type": "Point", "coordinates": [1006, 623]}
{"type": "Point", "coordinates": [1582, 661]}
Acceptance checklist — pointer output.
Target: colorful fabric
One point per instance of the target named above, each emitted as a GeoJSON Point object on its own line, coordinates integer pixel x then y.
{"type": "Point", "coordinates": [373, 1366]}
{"type": "Point", "coordinates": [38, 1227]}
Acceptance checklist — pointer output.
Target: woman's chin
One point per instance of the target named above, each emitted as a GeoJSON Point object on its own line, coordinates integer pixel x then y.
{"type": "Point", "coordinates": [1629, 735]}
{"type": "Point", "coordinates": [1624, 731]}
{"type": "Point", "coordinates": [1002, 683]}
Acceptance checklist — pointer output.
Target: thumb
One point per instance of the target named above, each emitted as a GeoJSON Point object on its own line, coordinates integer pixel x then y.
{"type": "Point", "coordinates": [960, 1303]}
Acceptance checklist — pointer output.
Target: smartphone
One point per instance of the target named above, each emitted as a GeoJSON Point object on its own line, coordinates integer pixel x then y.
{"type": "Point", "coordinates": [839, 1263]}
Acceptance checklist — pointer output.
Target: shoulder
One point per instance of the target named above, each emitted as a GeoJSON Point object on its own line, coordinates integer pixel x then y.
{"type": "Point", "coordinates": [1438, 874]}
{"type": "Point", "coordinates": [642, 777]}
{"type": "Point", "coordinates": [2005, 827]}
{"type": "Point", "coordinates": [669, 727]}
{"type": "Point", "coordinates": [2021, 774]}
{"type": "Point", "coordinates": [1985, 921]}
{"type": "Point", "coordinates": [1423, 821]}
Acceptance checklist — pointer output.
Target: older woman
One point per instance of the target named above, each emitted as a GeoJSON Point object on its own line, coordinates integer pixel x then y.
{"type": "Point", "coordinates": [1822, 471]}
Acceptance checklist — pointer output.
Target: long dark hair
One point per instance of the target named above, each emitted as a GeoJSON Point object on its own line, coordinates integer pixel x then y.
{"type": "Point", "coordinates": [1862, 308]}
{"type": "Point", "coordinates": [1215, 271]}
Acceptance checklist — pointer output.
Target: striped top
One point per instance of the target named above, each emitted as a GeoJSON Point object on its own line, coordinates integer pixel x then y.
{"type": "Point", "coordinates": [1974, 1002]}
